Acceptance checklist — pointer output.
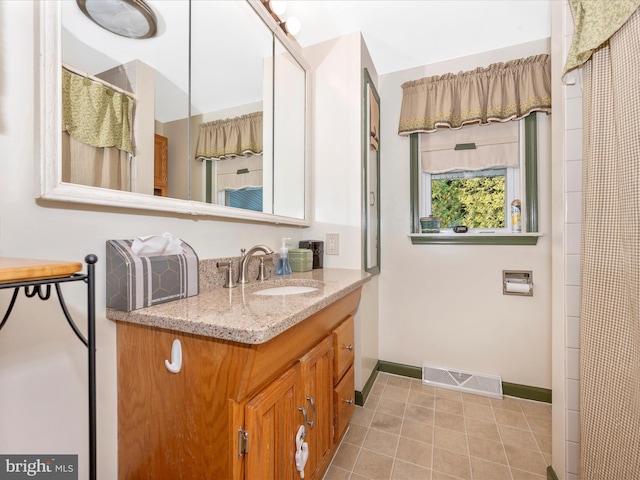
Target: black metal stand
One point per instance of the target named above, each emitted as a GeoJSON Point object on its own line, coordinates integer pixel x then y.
{"type": "Point", "coordinates": [42, 288]}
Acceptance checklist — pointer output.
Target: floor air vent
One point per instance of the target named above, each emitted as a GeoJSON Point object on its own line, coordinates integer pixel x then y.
{"type": "Point", "coordinates": [471, 382]}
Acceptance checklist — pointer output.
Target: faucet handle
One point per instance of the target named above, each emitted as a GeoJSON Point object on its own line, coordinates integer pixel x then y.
{"type": "Point", "coordinates": [229, 281]}
{"type": "Point", "coordinates": [242, 252]}
{"type": "Point", "coordinates": [261, 273]}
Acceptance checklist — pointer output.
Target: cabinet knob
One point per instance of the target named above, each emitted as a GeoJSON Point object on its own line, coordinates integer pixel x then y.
{"type": "Point", "coordinates": [349, 347]}
{"type": "Point", "coordinates": [349, 401]}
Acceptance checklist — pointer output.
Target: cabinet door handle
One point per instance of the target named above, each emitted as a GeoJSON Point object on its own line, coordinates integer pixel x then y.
{"type": "Point", "coordinates": [349, 347]}
{"type": "Point", "coordinates": [349, 401]}
{"type": "Point", "coordinates": [304, 414]}
{"type": "Point", "coordinates": [176, 357]}
{"type": "Point", "coordinates": [313, 411]}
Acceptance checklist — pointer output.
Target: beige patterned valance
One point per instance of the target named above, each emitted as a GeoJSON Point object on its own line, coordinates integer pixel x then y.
{"type": "Point", "coordinates": [498, 93]}
{"type": "Point", "coordinates": [231, 137]}
{"type": "Point", "coordinates": [594, 23]}
{"type": "Point", "coordinates": [95, 114]}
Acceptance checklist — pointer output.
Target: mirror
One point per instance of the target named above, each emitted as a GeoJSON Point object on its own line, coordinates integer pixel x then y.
{"type": "Point", "coordinates": [243, 66]}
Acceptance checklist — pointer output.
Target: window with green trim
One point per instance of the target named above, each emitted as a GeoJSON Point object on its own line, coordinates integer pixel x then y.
{"type": "Point", "coordinates": [480, 199]}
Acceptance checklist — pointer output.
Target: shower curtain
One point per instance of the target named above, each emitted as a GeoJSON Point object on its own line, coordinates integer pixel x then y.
{"type": "Point", "coordinates": [610, 295]}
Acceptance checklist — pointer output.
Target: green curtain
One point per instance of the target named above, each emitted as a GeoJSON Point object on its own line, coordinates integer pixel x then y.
{"type": "Point", "coordinates": [594, 23]}
{"type": "Point", "coordinates": [95, 114]}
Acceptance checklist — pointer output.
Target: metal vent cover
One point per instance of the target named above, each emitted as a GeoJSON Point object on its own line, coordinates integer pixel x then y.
{"type": "Point", "coordinates": [461, 380]}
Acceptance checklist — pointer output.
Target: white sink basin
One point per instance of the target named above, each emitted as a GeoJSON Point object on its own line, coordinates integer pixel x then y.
{"type": "Point", "coordinates": [286, 290]}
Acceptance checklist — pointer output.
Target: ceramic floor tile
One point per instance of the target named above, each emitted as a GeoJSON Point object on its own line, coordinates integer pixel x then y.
{"type": "Point", "coordinates": [419, 414]}
{"type": "Point", "coordinates": [391, 407]}
{"type": "Point", "coordinates": [484, 470]}
{"type": "Point", "coordinates": [506, 403]}
{"type": "Point", "coordinates": [481, 412]}
{"type": "Point", "coordinates": [450, 421]}
{"type": "Point", "coordinates": [478, 399]}
{"type": "Point", "coordinates": [417, 431]}
{"type": "Point", "coordinates": [517, 438]}
{"type": "Point", "coordinates": [450, 406]}
{"type": "Point", "coordinates": [355, 434]}
{"type": "Point", "coordinates": [381, 442]}
{"type": "Point", "coordinates": [387, 423]}
{"type": "Point", "coordinates": [362, 416]}
{"type": "Point", "coordinates": [336, 473]}
{"type": "Point", "coordinates": [450, 394]}
{"type": "Point", "coordinates": [539, 424]}
{"type": "Point", "coordinates": [487, 450]}
{"type": "Point", "coordinates": [452, 463]}
{"type": "Point", "coordinates": [411, 431]}
{"type": "Point", "coordinates": [451, 440]}
{"type": "Point", "coordinates": [414, 452]}
{"type": "Point", "coordinates": [373, 466]}
{"type": "Point", "coordinates": [479, 428]}
{"type": "Point", "coordinates": [528, 460]}
{"type": "Point", "coordinates": [511, 418]}
{"type": "Point", "coordinates": [395, 393]}
{"type": "Point", "coordinates": [408, 471]}
{"type": "Point", "coordinates": [400, 382]}
{"type": "Point", "coordinates": [372, 402]}
{"type": "Point", "coordinates": [346, 456]}
{"type": "Point", "coordinates": [422, 398]}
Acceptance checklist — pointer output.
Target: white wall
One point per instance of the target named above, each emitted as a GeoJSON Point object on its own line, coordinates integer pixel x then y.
{"type": "Point", "coordinates": [337, 67]}
{"type": "Point", "coordinates": [42, 364]}
{"type": "Point", "coordinates": [443, 304]}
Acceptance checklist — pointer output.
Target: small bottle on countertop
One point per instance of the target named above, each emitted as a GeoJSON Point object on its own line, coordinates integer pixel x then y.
{"type": "Point", "coordinates": [283, 268]}
{"type": "Point", "coordinates": [516, 216]}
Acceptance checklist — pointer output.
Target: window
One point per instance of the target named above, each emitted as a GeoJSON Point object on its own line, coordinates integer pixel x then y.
{"type": "Point", "coordinates": [479, 198]}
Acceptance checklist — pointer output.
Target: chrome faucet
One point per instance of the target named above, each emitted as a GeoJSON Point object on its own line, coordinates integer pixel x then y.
{"type": "Point", "coordinates": [244, 261]}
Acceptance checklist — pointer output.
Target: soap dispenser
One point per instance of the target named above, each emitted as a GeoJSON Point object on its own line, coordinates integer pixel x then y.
{"type": "Point", "coordinates": [283, 267]}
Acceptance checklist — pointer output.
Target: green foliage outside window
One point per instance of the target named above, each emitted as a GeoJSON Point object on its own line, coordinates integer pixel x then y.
{"type": "Point", "coordinates": [474, 202]}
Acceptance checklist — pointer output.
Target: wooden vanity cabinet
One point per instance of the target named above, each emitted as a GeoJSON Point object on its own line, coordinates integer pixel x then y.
{"type": "Point", "coordinates": [343, 378]}
{"type": "Point", "coordinates": [233, 410]}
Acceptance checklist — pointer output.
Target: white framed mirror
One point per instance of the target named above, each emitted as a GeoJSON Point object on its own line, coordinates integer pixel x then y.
{"type": "Point", "coordinates": [181, 100]}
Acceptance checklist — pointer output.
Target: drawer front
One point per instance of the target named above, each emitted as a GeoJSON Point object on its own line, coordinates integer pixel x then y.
{"type": "Point", "coordinates": [344, 403]}
{"type": "Point", "coordinates": [343, 339]}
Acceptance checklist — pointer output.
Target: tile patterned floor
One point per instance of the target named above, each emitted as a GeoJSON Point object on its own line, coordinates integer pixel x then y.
{"type": "Point", "coordinates": [410, 431]}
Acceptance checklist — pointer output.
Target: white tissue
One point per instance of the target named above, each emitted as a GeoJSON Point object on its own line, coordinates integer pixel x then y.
{"type": "Point", "coordinates": [163, 244]}
{"type": "Point", "coordinates": [302, 450]}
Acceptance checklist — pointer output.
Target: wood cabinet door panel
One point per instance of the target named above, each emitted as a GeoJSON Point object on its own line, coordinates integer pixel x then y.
{"type": "Point", "coordinates": [317, 373]}
{"type": "Point", "coordinates": [271, 421]}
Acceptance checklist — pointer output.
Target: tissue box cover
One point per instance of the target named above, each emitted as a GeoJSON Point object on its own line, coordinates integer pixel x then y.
{"type": "Point", "coordinates": [136, 282]}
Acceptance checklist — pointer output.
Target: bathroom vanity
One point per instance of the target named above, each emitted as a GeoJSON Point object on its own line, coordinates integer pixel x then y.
{"type": "Point", "coordinates": [254, 369]}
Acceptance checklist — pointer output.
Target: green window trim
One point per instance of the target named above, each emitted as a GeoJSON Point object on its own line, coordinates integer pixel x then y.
{"type": "Point", "coordinates": [530, 237]}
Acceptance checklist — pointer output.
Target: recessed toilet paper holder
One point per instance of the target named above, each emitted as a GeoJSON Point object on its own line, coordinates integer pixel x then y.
{"type": "Point", "coordinates": [517, 282]}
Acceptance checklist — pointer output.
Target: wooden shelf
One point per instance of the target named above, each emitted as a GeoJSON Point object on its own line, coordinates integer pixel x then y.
{"type": "Point", "coordinates": [25, 269]}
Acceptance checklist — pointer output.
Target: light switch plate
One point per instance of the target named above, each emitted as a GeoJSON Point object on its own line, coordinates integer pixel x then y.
{"type": "Point", "coordinates": [332, 244]}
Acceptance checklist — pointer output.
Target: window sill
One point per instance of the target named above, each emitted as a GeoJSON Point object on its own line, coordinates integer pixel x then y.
{"type": "Point", "coordinates": [472, 238]}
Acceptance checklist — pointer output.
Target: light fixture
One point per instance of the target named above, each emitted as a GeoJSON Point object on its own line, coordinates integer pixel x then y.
{"type": "Point", "coordinates": [276, 8]}
{"type": "Point", "coordinates": [128, 18]}
{"type": "Point", "coordinates": [292, 25]}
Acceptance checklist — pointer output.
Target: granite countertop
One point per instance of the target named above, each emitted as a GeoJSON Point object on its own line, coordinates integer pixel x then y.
{"type": "Point", "coordinates": [239, 315]}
